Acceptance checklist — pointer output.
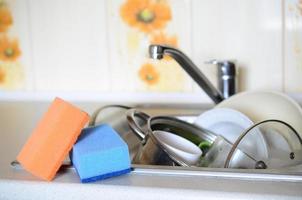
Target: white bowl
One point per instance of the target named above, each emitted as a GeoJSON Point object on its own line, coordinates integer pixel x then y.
{"type": "Point", "coordinates": [260, 106]}
{"type": "Point", "coordinates": [179, 147]}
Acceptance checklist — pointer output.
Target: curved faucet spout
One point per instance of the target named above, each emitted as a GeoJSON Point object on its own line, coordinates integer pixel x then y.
{"type": "Point", "coordinates": [158, 52]}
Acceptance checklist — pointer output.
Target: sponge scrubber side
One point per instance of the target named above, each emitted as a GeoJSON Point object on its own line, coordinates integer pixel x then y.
{"type": "Point", "coordinates": [100, 153]}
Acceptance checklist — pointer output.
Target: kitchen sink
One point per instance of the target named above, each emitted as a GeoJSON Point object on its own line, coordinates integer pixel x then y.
{"type": "Point", "coordinates": [17, 119]}
{"type": "Point", "coordinates": [290, 173]}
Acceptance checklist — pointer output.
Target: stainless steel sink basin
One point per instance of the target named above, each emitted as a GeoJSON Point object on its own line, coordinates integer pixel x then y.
{"type": "Point", "coordinates": [189, 114]}
{"type": "Point", "coordinates": [17, 119]}
{"type": "Point", "coordinates": [21, 120]}
{"type": "Point", "coordinates": [289, 174]}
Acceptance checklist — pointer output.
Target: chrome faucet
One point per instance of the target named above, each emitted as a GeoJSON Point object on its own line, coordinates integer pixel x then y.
{"type": "Point", "coordinates": [227, 77]}
{"type": "Point", "coordinates": [158, 52]}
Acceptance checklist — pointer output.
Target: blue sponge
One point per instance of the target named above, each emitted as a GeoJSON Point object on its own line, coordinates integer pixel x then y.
{"type": "Point", "coordinates": [100, 153]}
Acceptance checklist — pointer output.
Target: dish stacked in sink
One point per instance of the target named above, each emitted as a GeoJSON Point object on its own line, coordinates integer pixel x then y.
{"type": "Point", "coordinates": [263, 127]}
{"type": "Point", "coordinates": [251, 130]}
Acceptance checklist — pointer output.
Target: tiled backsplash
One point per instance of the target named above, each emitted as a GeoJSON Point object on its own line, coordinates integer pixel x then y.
{"type": "Point", "coordinates": [101, 46]}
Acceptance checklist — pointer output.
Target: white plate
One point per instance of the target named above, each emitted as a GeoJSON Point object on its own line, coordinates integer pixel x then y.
{"type": "Point", "coordinates": [264, 105]}
{"type": "Point", "coordinates": [230, 124]}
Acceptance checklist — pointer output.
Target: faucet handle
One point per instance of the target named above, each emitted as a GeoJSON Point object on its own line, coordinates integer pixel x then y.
{"type": "Point", "coordinates": [226, 67]}
{"type": "Point", "coordinates": [227, 76]}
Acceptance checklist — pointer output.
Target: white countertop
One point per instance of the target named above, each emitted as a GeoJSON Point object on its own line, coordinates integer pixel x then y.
{"type": "Point", "coordinates": [18, 184]}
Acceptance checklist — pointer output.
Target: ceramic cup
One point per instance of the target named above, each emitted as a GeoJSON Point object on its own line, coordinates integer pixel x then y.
{"type": "Point", "coordinates": [178, 146]}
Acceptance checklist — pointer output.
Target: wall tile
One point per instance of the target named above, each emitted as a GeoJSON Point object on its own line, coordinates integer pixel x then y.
{"type": "Point", "coordinates": [248, 31]}
{"type": "Point", "coordinates": [17, 71]}
{"type": "Point", "coordinates": [73, 45]}
{"type": "Point", "coordinates": [293, 46]}
{"type": "Point", "coordinates": [69, 45]}
{"type": "Point", "coordinates": [129, 47]}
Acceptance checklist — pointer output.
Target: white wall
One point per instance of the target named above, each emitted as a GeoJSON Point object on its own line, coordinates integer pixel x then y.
{"type": "Point", "coordinates": [79, 46]}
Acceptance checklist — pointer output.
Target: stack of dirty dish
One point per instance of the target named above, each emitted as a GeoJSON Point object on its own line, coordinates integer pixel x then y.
{"type": "Point", "coordinates": [250, 130]}
{"type": "Point", "coordinates": [276, 132]}
{"type": "Point", "coordinates": [265, 126]}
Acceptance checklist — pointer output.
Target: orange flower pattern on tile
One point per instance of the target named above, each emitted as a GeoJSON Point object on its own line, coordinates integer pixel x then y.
{"type": "Point", "coordinates": [149, 74]}
{"type": "Point", "coordinates": [9, 49]}
{"type": "Point", "coordinates": [146, 15]}
{"type": "Point", "coordinates": [11, 70]}
{"type": "Point", "coordinates": [2, 76]}
{"type": "Point", "coordinates": [6, 19]}
{"type": "Point", "coordinates": [162, 38]}
{"type": "Point", "coordinates": [299, 6]}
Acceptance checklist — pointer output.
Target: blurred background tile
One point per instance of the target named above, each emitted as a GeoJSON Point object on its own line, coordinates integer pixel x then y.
{"type": "Point", "coordinates": [15, 47]}
{"type": "Point", "coordinates": [247, 31]}
{"type": "Point", "coordinates": [69, 45]}
{"type": "Point", "coordinates": [132, 27]}
{"type": "Point", "coordinates": [100, 47]}
{"type": "Point", "coordinates": [293, 46]}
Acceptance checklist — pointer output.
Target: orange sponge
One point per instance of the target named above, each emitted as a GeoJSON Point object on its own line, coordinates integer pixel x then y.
{"type": "Point", "coordinates": [52, 139]}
